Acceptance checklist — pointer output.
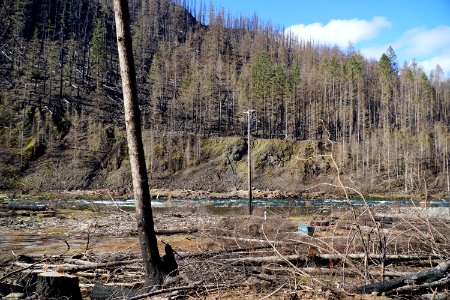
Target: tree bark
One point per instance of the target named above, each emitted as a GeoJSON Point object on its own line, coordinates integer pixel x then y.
{"type": "Point", "coordinates": [144, 217]}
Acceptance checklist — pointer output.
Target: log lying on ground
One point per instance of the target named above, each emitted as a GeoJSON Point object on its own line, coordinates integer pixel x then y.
{"type": "Point", "coordinates": [176, 231]}
{"type": "Point", "coordinates": [436, 296]}
{"type": "Point", "coordinates": [25, 206]}
{"type": "Point", "coordinates": [125, 276]}
{"type": "Point", "coordinates": [76, 268]}
{"type": "Point", "coordinates": [416, 288]}
{"type": "Point", "coordinates": [417, 279]}
{"type": "Point", "coordinates": [264, 259]}
{"type": "Point", "coordinates": [321, 259]}
{"type": "Point", "coordinates": [248, 240]}
{"type": "Point", "coordinates": [350, 272]}
{"type": "Point", "coordinates": [205, 255]}
{"type": "Point", "coordinates": [388, 257]}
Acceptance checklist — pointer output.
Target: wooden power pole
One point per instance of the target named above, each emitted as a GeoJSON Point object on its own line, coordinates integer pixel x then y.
{"type": "Point", "coordinates": [249, 165]}
{"type": "Point", "coordinates": [144, 217]}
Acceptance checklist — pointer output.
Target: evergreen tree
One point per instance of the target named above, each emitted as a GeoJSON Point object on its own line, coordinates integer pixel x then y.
{"type": "Point", "coordinates": [98, 50]}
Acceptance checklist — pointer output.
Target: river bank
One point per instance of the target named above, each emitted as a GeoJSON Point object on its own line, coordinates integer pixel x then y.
{"type": "Point", "coordinates": [168, 194]}
{"type": "Point", "coordinates": [282, 169]}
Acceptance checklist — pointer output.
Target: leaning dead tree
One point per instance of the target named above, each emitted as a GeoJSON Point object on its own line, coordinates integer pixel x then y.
{"type": "Point", "coordinates": [145, 226]}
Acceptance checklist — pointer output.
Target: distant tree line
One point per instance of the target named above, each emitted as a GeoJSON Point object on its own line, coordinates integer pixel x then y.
{"type": "Point", "coordinates": [198, 69]}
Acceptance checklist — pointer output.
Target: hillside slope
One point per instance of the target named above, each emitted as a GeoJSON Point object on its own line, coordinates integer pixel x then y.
{"type": "Point", "coordinates": [215, 165]}
{"type": "Point", "coordinates": [61, 108]}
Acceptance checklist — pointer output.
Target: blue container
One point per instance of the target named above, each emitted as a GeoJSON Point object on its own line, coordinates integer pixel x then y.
{"type": "Point", "coordinates": [309, 230]}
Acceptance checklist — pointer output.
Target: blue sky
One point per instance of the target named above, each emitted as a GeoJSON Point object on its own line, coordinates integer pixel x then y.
{"type": "Point", "coordinates": [416, 29]}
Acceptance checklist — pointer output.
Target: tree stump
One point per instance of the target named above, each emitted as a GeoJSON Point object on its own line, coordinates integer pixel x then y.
{"type": "Point", "coordinates": [170, 265]}
{"type": "Point", "coordinates": [55, 285]}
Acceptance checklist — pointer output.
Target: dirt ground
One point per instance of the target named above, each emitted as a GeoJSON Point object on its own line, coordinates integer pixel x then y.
{"type": "Point", "coordinates": [215, 249]}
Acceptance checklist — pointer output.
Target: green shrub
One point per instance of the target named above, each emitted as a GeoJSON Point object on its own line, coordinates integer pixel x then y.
{"type": "Point", "coordinates": [9, 178]}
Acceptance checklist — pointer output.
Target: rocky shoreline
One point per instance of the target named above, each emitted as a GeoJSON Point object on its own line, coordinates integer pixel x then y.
{"type": "Point", "coordinates": [187, 194]}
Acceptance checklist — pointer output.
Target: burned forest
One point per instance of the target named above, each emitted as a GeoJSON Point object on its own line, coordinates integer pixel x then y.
{"type": "Point", "coordinates": [125, 153]}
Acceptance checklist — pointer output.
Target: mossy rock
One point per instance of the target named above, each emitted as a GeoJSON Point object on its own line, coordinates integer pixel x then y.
{"type": "Point", "coordinates": [237, 150]}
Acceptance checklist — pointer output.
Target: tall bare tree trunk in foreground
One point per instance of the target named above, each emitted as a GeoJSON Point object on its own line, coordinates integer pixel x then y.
{"type": "Point", "coordinates": [144, 218]}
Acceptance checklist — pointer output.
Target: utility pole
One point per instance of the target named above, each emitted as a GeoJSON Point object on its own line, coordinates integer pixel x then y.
{"type": "Point", "coordinates": [249, 152]}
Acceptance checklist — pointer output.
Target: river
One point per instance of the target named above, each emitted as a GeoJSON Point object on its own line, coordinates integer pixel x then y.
{"type": "Point", "coordinates": [230, 203]}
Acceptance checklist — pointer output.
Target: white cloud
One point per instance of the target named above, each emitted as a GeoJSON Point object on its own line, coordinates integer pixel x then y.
{"type": "Point", "coordinates": [419, 42]}
{"type": "Point", "coordinates": [441, 60]}
{"type": "Point", "coordinates": [429, 48]}
{"type": "Point", "coordinates": [374, 52]}
{"type": "Point", "coordinates": [340, 32]}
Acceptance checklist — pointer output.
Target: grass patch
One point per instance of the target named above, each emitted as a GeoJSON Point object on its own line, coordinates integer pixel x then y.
{"type": "Point", "coordinates": [76, 211]}
{"type": "Point", "coordinates": [178, 237]}
{"type": "Point", "coordinates": [300, 218]}
{"type": "Point", "coordinates": [24, 218]}
{"type": "Point", "coordinates": [383, 196]}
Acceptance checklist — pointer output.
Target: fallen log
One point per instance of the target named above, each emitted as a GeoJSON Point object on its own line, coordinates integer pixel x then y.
{"type": "Point", "coordinates": [425, 276]}
{"type": "Point", "coordinates": [176, 231]}
{"type": "Point", "coordinates": [320, 259]}
{"type": "Point", "coordinates": [29, 207]}
{"type": "Point", "coordinates": [350, 272]}
{"type": "Point", "coordinates": [436, 296]}
{"type": "Point", "coordinates": [248, 240]}
{"type": "Point", "coordinates": [232, 250]}
{"type": "Point", "coordinates": [76, 268]}
{"type": "Point", "coordinates": [264, 259]}
{"type": "Point", "coordinates": [389, 257]}
{"type": "Point", "coordinates": [44, 213]}
{"type": "Point", "coordinates": [78, 262]}
{"type": "Point", "coordinates": [416, 288]}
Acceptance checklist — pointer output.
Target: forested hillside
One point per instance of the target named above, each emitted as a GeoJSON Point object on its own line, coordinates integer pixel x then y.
{"type": "Point", "coordinates": [61, 123]}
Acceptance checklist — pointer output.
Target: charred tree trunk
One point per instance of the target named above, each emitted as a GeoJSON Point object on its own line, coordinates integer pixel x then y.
{"type": "Point", "coordinates": [415, 280]}
{"type": "Point", "coordinates": [144, 217]}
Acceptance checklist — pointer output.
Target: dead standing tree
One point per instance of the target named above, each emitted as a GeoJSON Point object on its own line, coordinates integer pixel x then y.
{"type": "Point", "coordinates": [149, 248]}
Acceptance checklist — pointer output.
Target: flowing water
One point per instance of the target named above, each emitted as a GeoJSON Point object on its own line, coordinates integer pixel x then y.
{"type": "Point", "coordinates": [293, 207]}
{"type": "Point", "coordinates": [235, 202]}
